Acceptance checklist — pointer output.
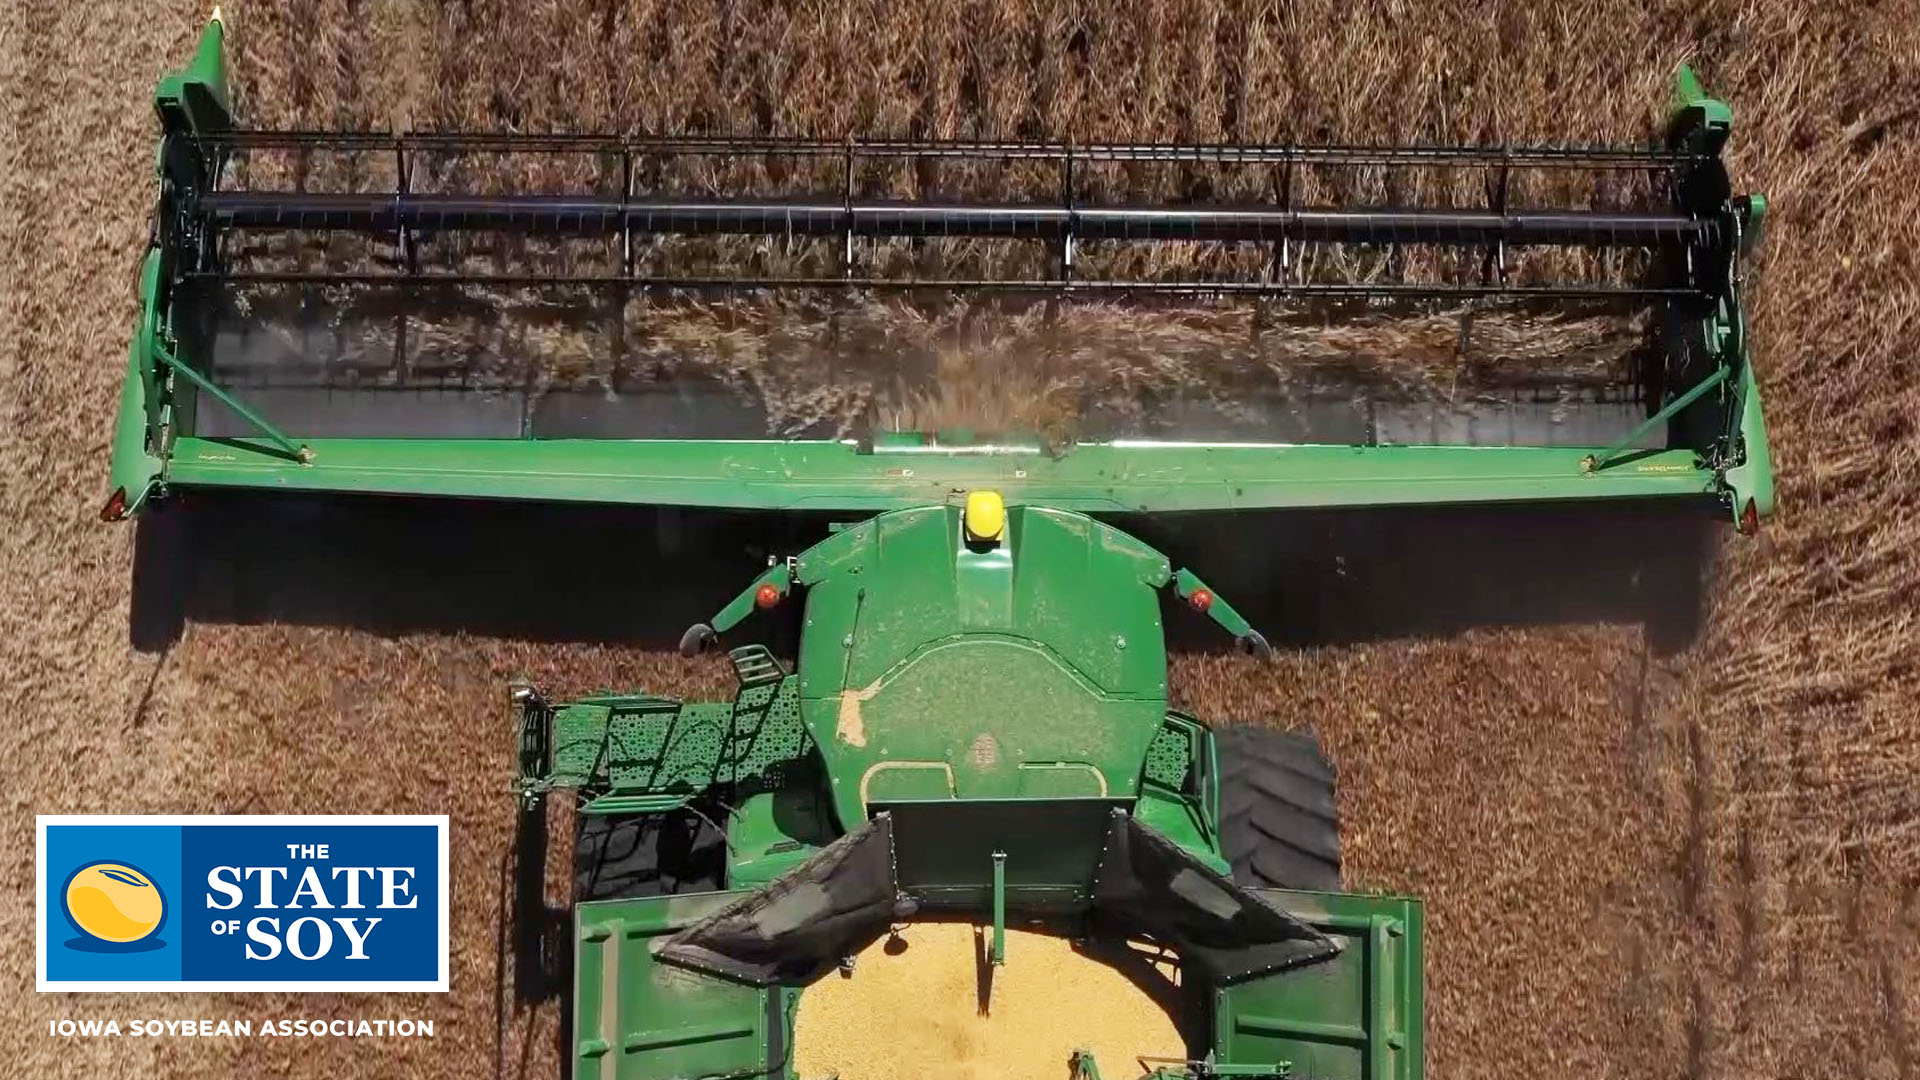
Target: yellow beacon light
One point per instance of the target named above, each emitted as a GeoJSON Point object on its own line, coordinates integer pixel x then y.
{"type": "Point", "coordinates": [986, 516]}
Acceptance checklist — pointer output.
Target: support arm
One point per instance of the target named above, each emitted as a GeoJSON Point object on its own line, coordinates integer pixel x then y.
{"type": "Point", "coordinates": [1188, 586]}
{"type": "Point", "coordinates": [294, 451]}
{"type": "Point", "coordinates": [765, 591]}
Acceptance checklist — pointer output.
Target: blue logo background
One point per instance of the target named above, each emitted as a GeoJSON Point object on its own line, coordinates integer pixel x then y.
{"type": "Point", "coordinates": [402, 946]}
{"type": "Point", "coordinates": [74, 956]}
{"type": "Point", "coordinates": [198, 943]}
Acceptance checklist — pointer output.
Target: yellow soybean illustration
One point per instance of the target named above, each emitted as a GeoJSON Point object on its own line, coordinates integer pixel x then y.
{"type": "Point", "coordinates": [114, 902]}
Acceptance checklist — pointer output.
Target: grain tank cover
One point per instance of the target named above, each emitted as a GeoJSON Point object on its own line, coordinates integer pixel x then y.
{"type": "Point", "coordinates": [934, 665]}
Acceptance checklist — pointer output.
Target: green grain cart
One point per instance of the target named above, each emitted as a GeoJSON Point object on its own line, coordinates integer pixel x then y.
{"type": "Point", "coordinates": [976, 722]}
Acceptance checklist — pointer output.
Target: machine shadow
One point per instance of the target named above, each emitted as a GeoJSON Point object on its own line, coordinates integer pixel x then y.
{"type": "Point", "coordinates": [528, 571]}
{"type": "Point", "coordinates": [641, 575]}
{"type": "Point", "coordinates": [1321, 577]}
{"type": "Point", "coordinates": [533, 953]}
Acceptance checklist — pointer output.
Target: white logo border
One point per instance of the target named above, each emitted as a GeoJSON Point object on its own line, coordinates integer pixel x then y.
{"type": "Point", "coordinates": [439, 822]}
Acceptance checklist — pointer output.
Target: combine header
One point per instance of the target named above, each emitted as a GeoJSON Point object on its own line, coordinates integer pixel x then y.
{"type": "Point", "coordinates": [978, 724]}
{"type": "Point", "coordinates": [337, 312]}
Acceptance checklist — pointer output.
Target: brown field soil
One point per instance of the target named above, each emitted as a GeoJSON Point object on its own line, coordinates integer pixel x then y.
{"type": "Point", "coordinates": [1704, 864]}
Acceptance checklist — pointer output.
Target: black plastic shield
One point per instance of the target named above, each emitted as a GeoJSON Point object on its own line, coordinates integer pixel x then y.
{"type": "Point", "coordinates": [1148, 885]}
{"type": "Point", "coordinates": [798, 927]}
{"type": "Point", "coordinates": [843, 899]}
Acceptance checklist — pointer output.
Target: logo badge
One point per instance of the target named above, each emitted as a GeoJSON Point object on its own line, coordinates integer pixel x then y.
{"type": "Point", "coordinates": [236, 903]}
{"type": "Point", "coordinates": [116, 905]}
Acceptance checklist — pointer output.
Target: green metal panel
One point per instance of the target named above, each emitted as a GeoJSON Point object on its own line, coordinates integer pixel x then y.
{"type": "Point", "coordinates": [768, 733]}
{"type": "Point", "coordinates": [799, 475]}
{"type": "Point", "coordinates": [970, 717]}
{"type": "Point", "coordinates": [1700, 121]}
{"type": "Point", "coordinates": [196, 96]}
{"type": "Point", "coordinates": [639, 745]}
{"type": "Point", "coordinates": [772, 832]}
{"type": "Point", "coordinates": [191, 100]}
{"type": "Point", "coordinates": [580, 740]}
{"type": "Point", "coordinates": [1032, 667]}
{"type": "Point", "coordinates": [686, 756]}
{"type": "Point", "coordinates": [1175, 795]}
{"type": "Point", "coordinates": [1752, 479]}
{"type": "Point", "coordinates": [1359, 1016]}
{"type": "Point", "coordinates": [1170, 758]}
{"type": "Point", "coordinates": [1087, 590]}
{"type": "Point", "coordinates": [1181, 821]}
{"type": "Point", "coordinates": [1702, 124]}
{"type": "Point", "coordinates": [136, 467]}
{"type": "Point", "coordinates": [635, 1019]}
{"type": "Point", "coordinates": [902, 581]}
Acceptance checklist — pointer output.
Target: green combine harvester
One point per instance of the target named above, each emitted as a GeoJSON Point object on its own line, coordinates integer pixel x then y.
{"type": "Point", "coordinates": [976, 724]}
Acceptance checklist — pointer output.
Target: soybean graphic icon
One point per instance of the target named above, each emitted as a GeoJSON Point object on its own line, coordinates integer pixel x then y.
{"type": "Point", "coordinates": [114, 902]}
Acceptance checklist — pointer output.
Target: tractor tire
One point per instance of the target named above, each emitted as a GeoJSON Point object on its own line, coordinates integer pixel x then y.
{"type": "Point", "coordinates": [624, 856]}
{"type": "Point", "coordinates": [1278, 823]}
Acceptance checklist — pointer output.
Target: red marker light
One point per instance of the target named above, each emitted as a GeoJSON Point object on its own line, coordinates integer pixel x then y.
{"type": "Point", "coordinates": [1750, 518]}
{"type": "Point", "coordinates": [1201, 599]}
{"type": "Point", "coordinates": [116, 507]}
{"type": "Point", "coordinates": [766, 596]}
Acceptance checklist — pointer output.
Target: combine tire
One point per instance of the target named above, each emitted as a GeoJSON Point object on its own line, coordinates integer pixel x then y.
{"type": "Point", "coordinates": [623, 856]}
{"type": "Point", "coordinates": [1278, 824]}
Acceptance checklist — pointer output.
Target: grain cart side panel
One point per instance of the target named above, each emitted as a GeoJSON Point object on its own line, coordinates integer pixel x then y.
{"type": "Point", "coordinates": [1358, 1016]}
{"type": "Point", "coordinates": [638, 1019]}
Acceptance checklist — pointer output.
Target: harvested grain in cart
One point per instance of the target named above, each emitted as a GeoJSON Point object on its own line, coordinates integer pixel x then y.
{"type": "Point", "coordinates": [936, 1005]}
